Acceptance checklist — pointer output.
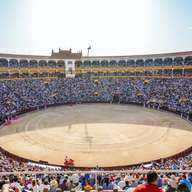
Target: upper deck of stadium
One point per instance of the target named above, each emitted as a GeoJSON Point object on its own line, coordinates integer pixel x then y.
{"type": "Point", "coordinates": [68, 54]}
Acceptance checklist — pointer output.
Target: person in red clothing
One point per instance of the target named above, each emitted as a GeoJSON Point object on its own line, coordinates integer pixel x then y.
{"type": "Point", "coordinates": [151, 185]}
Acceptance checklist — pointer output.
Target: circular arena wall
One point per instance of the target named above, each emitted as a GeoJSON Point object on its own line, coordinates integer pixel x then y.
{"type": "Point", "coordinates": [97, 134]}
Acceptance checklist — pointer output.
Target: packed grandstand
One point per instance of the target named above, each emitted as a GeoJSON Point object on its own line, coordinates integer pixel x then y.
{"type": "Point", "coordinates": [29, 83]}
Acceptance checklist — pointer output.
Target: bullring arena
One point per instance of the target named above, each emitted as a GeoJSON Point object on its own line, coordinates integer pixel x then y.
{"type": "Point", "coordinates": [106, 135]}
{"type": "Point", "coordinates": [95, 96]}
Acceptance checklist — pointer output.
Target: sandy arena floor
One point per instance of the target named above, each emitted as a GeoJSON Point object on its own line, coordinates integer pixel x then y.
{"type": "Point", "coordinates": [97, 134]}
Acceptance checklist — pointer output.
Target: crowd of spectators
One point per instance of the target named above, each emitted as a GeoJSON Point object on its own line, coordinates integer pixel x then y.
{"type": "Point", "coordinates": [21, 95]}
{"type": "Point", "coordinates": [10, 163]}
{"type": "Point", "coordinates": [92, 181]}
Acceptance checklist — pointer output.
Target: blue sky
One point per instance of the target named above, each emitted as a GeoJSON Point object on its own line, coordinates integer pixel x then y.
{"type": "Point", "coordinates": [111, 27]}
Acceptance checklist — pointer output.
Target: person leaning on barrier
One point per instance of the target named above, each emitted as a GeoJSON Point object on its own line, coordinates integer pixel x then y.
{"type": "Point", "coordinates": [151, 185]}
{"type": "Point", "coordinates": [185, 181]}
{"type": "Point", "coordinates": [182, 188]}
{"type": "Point", "coordinates": [100, 189]}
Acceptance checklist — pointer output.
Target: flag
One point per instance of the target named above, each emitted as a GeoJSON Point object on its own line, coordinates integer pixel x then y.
{"type": "Point", "coordinates": [89, 47]}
